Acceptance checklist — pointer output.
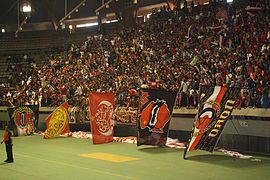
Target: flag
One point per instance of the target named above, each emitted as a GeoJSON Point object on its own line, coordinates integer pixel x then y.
{"type": "Point", "coordinates": [124, 115]}
{"type": "Point", "coordinates": [215, 108]}
{"type": "Point", "coordinates": [222, 14]}
{"type": "Point", "coordinates": [101, 117]}
{"type": "Point", "coordinates": [155, 111]}
{"type": "Point", "coordinates": [57, 122]}
{"type": "Point", "coordinates": [24, 119]}
{"type": "Point", "coordinates": [171, 4]}
{"type": "Point", "coordinates": [221, 41]}
{"type": "Point", "coordinates": [195, 60]}
{"type": "Point", "coordinates": [217, 29]}
{"type": "Point", "coordinates": [189, 32]}
{"type": "Point", "coordinates": [252, 11]}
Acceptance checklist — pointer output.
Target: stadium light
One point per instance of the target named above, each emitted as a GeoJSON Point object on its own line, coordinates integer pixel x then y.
{"type": "Point", "coordinates": [26, 6]}
{"type": "Point", "coordinates": [26, 9]}
{"type": "Point", "coordinates": [86, 25]}
{"type": "Point", "coordinates": [112, 21]}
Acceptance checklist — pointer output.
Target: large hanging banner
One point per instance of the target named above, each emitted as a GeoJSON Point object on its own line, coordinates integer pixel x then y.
{"type": "Point", "coordinates": [215, 108]}
{"type": "Point", "coordinates": [155, 112]}
{"type": "Point", "coordinates": [126, 116]}
{"type": "Point", "coordinates": [57, 122]}
{"type": "Point", "coordinates": [101, 117]}
{"type": "Point", "coordinates": [24, 119]}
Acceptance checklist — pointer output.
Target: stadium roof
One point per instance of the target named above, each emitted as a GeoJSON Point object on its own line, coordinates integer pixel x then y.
{"type": "Point", "coordinates": [41, 9]}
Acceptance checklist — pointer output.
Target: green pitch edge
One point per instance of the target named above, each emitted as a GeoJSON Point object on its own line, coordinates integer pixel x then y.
{"type": "Point", "coordinates": [59, 158]}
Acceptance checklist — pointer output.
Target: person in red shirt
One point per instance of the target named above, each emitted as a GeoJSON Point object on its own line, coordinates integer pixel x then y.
{"type": "Point", "coordinates": [8, 142]}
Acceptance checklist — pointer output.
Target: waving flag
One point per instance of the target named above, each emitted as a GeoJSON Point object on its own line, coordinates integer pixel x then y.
{"type": "Point", "coordinates": [252, 11]}
{"type": "Point", "coordinates": [222, 14]}
{"type": "Point", "coordinates": [57, 122]}
{"type": "Point", "coordinates": [216, 106]}
{"type": "Point", "coordinates": [171, 4]}
{"type": "Point", "coordinates": [101, 117]}
{"type": "Point", "coordinates": [156, 107]}
{"type": "Point", "coordinates": [24, 119]}
{"type": "Point", "coordinates": [195, 60]}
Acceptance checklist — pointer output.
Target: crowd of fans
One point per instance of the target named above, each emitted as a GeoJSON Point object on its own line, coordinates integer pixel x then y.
{"type": "Point", "coordinates": [181, 50]}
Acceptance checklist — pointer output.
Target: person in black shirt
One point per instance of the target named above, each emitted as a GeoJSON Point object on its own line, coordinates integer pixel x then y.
{"type": "Point", "coordinates": [8, 142]}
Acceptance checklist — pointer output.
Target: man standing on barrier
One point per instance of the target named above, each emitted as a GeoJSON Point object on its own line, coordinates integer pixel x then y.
{"type": "Point", "coordinates": [8, 142]}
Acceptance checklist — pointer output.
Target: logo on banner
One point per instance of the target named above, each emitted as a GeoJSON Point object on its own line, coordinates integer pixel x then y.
{"type": "Point", "coordinates": [207, 115]}
{"type": "Point", "coordinates": [155, 116]}
{"type": "Point", "coordinates": [104, 118]}
{"type": "Point", "coordinates": [24, 118]}
{"type": "Point", "coordinates": [218, 124]}
{"type": "Point", "coordinates": [58, 122]}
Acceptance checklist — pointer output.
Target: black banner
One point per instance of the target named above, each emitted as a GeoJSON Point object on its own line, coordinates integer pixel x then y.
{"type": "Point", "coordinates": [24, 119]}
{"type": "Point", "coordinates": [154, 114]}
{"type": "Point", "coordinates": [215, 108]}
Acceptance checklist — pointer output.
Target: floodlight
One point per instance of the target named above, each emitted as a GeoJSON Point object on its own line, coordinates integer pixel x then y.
{"type": "Point", "coordinates": [27, 9]}
{"type": "Point", "coordinates": [25, 6]}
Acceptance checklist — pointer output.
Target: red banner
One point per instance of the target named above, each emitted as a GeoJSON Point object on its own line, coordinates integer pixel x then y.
{"type": "Point", "coordinates": [57, 122]}
{"type": "Point", "coordinates": [101, 117]}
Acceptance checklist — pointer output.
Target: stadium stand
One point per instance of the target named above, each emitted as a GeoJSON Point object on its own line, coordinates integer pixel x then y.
{"type": "Point", "coordinates": [181, 50]}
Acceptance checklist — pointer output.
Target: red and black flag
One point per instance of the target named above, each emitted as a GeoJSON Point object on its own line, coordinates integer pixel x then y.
{"type": "Point", "coordinates": [215, 108]}
{"type": "Point", "coordinates": [24, 119]}
{"type": "Point", "coordinates": [101, 116]}
{"type": "Point", "coordinates": [155, 112]}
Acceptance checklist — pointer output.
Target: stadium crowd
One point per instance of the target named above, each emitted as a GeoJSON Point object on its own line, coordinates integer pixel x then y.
{"type": "Point", "coordinates": [181, 49]}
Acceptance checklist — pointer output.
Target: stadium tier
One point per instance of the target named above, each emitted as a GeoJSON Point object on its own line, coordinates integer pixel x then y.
{"type": "Point", "coordinates": [195, 71]}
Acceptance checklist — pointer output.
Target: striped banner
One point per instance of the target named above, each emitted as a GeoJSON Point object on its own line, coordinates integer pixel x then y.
{"type": "Point", "coordinates": [215, 108]}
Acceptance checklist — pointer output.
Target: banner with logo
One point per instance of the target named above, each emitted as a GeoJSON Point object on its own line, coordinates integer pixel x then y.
{"type": "Point", "coordinates": [126, 115]}
{"type": "Point", "coordinates": [155, 112]}
{"type": "Point", "coordinates": [57, 122]}
{"type": "Point", "coordinates": [24, 119]}
{"type": "Point", "coordinates": [215, 108]}
{"type": "Point", "coordinates": [101, 117]}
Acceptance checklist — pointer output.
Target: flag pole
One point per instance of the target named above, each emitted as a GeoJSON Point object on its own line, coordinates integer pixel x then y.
{"type": "Point", "coordinates": [185, 152]}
